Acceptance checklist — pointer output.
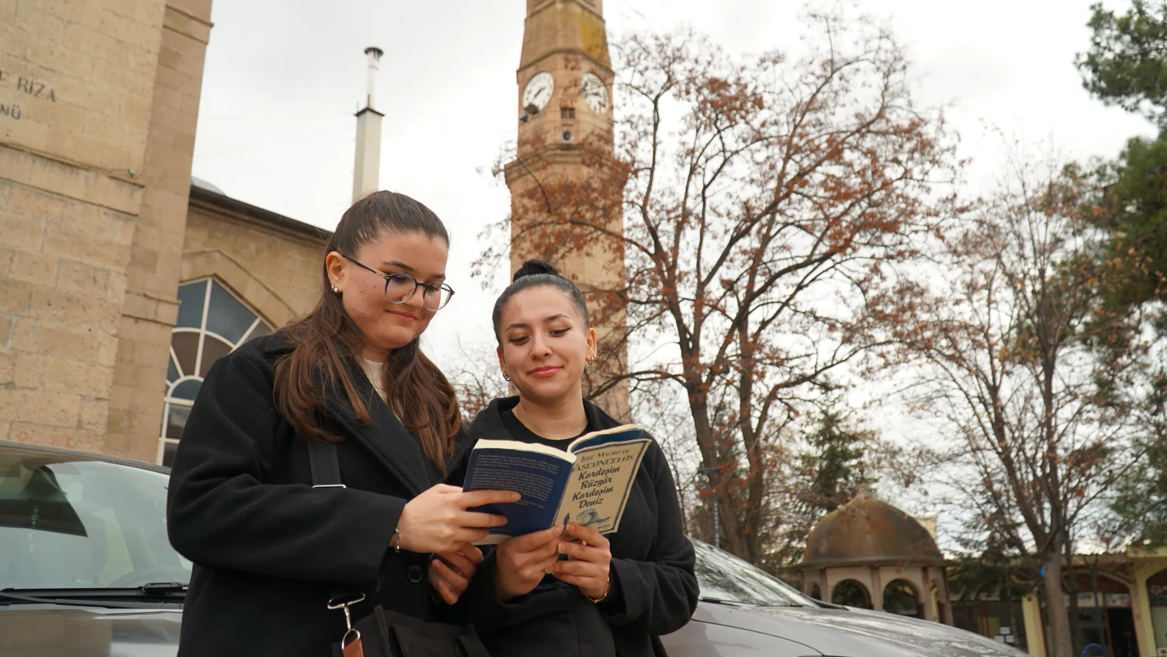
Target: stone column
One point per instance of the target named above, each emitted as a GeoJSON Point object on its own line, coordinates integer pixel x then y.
{"type": "Point", "coordinates": [151, 306]}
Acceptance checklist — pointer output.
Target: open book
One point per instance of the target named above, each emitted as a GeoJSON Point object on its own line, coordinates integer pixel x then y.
{"type": "Point", "coordinates": [588, 483]}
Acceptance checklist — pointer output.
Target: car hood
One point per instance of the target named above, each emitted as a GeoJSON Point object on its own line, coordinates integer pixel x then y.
{"type": "Point", "coordinates": [54, 631]}
{"type": "Point", "coordinates": [856, 632]}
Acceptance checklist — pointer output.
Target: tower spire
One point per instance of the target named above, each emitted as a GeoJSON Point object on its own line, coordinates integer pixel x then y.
{"type": "Point", "coordinates": [565, 164]}
{"type": "Point", "coordinates": [374, 55]}
{"type": "Point", "coordinates": [367, 167]}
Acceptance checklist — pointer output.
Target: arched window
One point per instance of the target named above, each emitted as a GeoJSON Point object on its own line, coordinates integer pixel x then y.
{"type": "Point", "coordinates": [211, 324]}
{"type": "Point", "coordinates": [852, 594]}
{"type": "Point", "coordinates": [899, 597]}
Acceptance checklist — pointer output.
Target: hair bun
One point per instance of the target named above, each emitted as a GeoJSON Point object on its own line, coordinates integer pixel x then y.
{"type": "Point", "coordinates": [533, 267]}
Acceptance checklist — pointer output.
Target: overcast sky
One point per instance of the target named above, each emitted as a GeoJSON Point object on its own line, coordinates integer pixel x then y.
{"type": "Point", "coordinates": [284, 77]}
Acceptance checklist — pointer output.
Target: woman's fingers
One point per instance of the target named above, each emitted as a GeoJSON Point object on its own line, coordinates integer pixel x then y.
{"type": "Point", "coordinates": [458, 562]}
{"type": "Point", "coordinates": [482, 497]}
{"type": "Point", "coordinates": [538, 558]}
{"type": "Point", "coordinates": [474, 519]}
{"type": "Point", "coordinates": [460, 536]}
{"type": "Point", "coordinates": [535, 541]}
{"type": "Point", "coordinates": [439, 584]}
{"type": "Point", "coordinates": [456, 580]}
{"type": "Point", "coordinates": [448, 596]}
{"type": "Point", "coordinates": [586, 534]}
{"type": "Point", "coordinates": [585, 552]}
{"type": "Point", "coordinates": [472, 553]}
{"type": "Point", "coordinates": [579, 568]}
{"type": "Point", "coordinates": [574, 580]}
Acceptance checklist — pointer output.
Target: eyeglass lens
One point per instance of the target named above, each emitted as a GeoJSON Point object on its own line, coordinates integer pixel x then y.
{"type": "Point", "coordinates": [401, 288]}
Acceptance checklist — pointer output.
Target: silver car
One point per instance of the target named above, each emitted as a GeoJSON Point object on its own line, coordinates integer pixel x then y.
{"type": "Point", "coordinates": [86, 569]}
{"type": "Point", "coordinates": [744, 611]}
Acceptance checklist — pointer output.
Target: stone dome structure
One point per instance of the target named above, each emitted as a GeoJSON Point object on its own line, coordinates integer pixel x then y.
{"type": "Point", "coordinates": [867, 531]}
{"type": "Point", "coordinates": [867, 553]}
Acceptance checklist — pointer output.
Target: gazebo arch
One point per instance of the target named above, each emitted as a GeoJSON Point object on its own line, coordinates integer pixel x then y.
{"type": "Point", "coordinates": [851, 593]}
{"type": "Point", "coordinates": [903, 597]}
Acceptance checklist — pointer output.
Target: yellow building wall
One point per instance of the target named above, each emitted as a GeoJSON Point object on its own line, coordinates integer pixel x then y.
{"type": "Point", "coordinates": [1150, 622]}
{"type": "Point", "coordinates": [1034, 631]}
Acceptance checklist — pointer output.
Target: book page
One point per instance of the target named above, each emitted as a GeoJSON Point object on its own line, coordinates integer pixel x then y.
{"type": "Point", "coordinates": [600, 483]}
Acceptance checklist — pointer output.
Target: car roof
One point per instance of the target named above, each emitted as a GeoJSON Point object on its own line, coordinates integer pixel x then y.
{"type": "Point", "coordinates": [74, 455]}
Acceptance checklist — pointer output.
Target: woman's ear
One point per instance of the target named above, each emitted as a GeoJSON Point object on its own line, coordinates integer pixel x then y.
{"type": "Point", "coordinates": [593, 349]}
{"type": "Point", "coordinates": [502, 362]}
{"type": "Point", "coordinates": [334, 265]}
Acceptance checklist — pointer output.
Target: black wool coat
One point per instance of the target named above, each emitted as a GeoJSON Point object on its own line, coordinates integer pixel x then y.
{"type": "Point", "coordinates": [268, 548]}
{"type": "Point", "coordinates": [653, 589]}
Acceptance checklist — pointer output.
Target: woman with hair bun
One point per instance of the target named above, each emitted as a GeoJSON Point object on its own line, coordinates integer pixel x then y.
{"type": "Point", "coordinates": [612, 595]}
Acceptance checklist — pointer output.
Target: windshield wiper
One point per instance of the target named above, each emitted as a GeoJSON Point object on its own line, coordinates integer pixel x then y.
{"type": "Point", "coordinates": [129, 598]}
{"type": "Point", "coordinates": [777, 604]}
{"type": "Point", "coordinates": [718, 601]}
{"type": "Point", "coordinates": [163, 588]}
{"type": "Point", "coordinates": [751, 603]}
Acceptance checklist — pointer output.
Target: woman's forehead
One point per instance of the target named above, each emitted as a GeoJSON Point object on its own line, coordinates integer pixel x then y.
{"type": "Point", "coordinates": [417, 251]}
{"type": "Point", "coordinates": [540, 304]}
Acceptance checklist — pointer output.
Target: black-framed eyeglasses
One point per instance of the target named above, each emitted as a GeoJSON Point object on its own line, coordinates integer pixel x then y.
{"type": "Point", "coordinates": [400, 288]}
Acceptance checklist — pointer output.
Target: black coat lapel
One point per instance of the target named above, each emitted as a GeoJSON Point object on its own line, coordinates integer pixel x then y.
{"type": "Point", "coordinates": [385, 437]}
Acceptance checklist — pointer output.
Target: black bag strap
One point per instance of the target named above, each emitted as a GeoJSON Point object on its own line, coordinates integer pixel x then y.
{"type": "Point", "coordinates": [326, 474]}
{"type": "Point", "coordinates": [325, 465]}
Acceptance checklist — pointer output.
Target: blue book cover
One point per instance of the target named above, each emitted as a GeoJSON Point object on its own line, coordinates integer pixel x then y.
{"type": "Point", "coordinates": [588, 483]}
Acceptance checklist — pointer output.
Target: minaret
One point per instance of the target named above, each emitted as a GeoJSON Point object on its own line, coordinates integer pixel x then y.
{"type": "Point", "coordinates": [367, 168]}
{"type": "Point", "coordinates": [564, 165]}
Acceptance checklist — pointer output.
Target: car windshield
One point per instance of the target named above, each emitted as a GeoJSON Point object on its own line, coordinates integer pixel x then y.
{"type": "Point", "coordinates": [725, 578]}
{"type": "Point", "coordinates": [70, 522]}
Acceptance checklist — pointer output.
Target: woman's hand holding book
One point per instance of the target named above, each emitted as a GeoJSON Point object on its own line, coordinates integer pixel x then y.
{"type": "Point", "coordinates": [589, 561]}
{"type": "Point", "coordinates": [438, 521]}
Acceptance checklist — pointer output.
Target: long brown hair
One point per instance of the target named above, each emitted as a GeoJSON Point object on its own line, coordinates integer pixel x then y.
{"type": "Point", "coordinates": [322, 341]}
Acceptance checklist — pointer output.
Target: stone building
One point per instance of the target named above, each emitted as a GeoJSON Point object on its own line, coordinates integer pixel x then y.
{"type": "Point", "coordinates": [102, 233]}
{"type": "Point", "coordinates": [120, 280]}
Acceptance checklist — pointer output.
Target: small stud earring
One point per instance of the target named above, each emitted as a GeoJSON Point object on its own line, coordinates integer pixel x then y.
{"type": "Point", "coordinates": [335, 289]}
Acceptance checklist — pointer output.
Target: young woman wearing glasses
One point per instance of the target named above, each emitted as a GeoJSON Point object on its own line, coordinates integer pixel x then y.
{"type": "Point", "coordinates": [270, 549]}
{"type": "Point", "coordinates": [611, 595]}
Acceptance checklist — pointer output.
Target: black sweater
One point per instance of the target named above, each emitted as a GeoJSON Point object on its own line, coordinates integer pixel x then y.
{"type": "Point", "coordinates": [653, 589]}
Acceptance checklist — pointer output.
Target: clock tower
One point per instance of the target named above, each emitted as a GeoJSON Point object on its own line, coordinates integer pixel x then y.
{"type": "Point", "coordinates": [566, 186]}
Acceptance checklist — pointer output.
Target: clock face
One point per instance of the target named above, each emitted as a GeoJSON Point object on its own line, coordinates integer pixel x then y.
{"type": "Point", "coordinates": [538, 91]}
{"type": "Point", "coordinates": [594, 92]}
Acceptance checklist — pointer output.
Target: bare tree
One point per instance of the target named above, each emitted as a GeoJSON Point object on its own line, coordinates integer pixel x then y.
{"type": "Point", "coordinates": [765, 203]}
{"type": "Point", "coordinates": [476, 378]}
{"type": "Point", "coordinates": [1003, 338]}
